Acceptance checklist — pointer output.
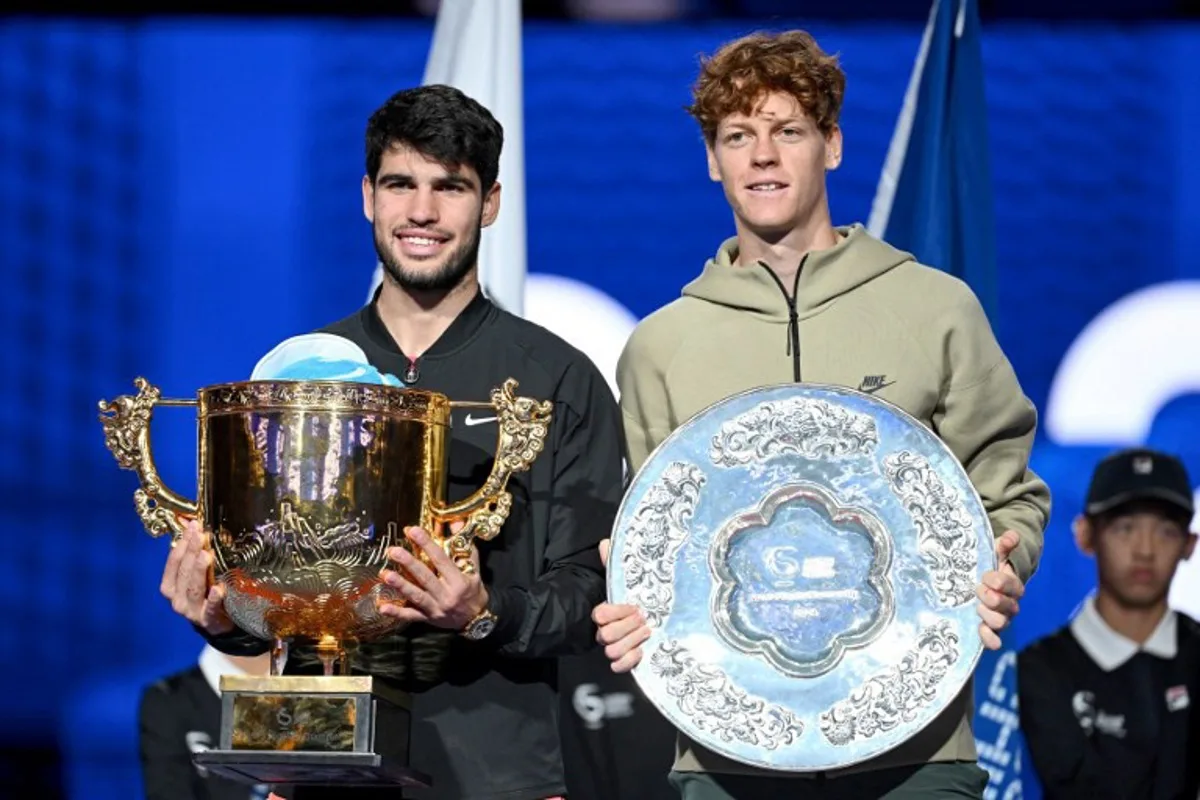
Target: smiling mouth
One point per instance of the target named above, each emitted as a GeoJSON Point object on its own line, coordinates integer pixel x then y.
{"type": "Point", "coordinates": [416, 244]}
{"type": "Point", "coordinates": [766, 187]}
{"type": "Point", "coordinates": [418, 239]}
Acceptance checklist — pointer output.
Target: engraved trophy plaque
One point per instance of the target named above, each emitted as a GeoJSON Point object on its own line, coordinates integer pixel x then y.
{"type": "Point", "coordinates": [304, 485]}
{"type": "Point", "coordinates": [806, 557]}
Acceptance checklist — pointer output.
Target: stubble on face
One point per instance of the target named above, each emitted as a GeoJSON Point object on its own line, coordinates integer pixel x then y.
{"type": "Point", "coordinates": [458, 265]}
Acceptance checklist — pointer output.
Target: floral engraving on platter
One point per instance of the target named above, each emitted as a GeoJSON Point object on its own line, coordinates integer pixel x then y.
{"type": "Point", "coordinates": [945, 534]}
{"type": "Point", "coordinates": [656, 532]}
{"type": "Point", "coordinates": [896, 696]}
{"type": "Point", "coordinates": [796, 426]}
{"type": "Point", "coordinates": [714, 704]}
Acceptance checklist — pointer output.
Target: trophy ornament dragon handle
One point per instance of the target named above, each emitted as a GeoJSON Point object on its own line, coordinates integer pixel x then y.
{"type": "Point", "coordinates": [522, 425]}
{"type": "Point", "coordinates": [126, 422]}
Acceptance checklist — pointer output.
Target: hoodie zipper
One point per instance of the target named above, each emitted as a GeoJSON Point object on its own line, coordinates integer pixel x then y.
{"type": "Point", "coordinates": [793, 329]}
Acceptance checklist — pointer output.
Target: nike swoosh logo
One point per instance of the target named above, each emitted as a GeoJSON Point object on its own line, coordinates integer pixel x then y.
{"type": "Point", "coordinates": [471, 420]}
{"type": "Point", "coordinates": [875, 389]}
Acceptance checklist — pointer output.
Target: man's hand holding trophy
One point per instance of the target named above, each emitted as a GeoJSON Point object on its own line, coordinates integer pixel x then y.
{"type": "Point", "coordinates": [322, 521]}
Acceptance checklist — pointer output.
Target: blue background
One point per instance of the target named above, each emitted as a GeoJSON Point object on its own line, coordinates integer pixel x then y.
{"type": "Point", "coordinates": [178, 196]}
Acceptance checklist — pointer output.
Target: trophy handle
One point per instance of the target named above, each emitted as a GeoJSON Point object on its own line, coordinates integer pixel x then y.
{"type": "Point", "coordinates": [126, 422]}
{"type": "Point", "coordinates": [522, 424]}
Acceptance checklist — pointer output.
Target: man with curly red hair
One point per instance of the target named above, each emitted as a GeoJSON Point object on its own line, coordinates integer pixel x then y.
{"type": "Point", "coordinates": [791, 297]}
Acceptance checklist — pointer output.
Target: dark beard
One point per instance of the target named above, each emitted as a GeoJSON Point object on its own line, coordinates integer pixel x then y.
{"type": "Point", "coordinates": [461, 262]}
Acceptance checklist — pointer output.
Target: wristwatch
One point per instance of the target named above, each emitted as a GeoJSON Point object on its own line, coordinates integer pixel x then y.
{"type": "Point", "coordinates": [481, 625]}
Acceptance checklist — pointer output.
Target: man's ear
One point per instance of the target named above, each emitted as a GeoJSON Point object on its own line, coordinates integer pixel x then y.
{"type": "Point", "coordinates": [833, 149]}
{"type": "Point", "coordinates": [491, 206]}
{"type": "Point", "coordinates": [368, 192]}
{"type": "Point", "coordinates": [714, 169]}
{"type": "Point", "coordinates": [1085, 535]}
{"type": "Point", "coordinates": [1189, 546]}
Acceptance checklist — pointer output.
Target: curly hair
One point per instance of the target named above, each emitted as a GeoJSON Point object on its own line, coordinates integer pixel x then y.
{"type": "Point", "coordinates": [739, 76]}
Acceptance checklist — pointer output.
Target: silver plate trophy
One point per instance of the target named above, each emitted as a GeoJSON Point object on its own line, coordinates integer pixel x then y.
{"type": "Point", "coordinates": [806, 557]}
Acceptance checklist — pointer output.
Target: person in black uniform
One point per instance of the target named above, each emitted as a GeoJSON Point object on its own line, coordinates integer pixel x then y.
{"type": "Point", "coordinates": [1108, 703]}
{"type": "Point", "coordinates": [181, 715]}
{"type": "Point", "coordinates": [482, 649]}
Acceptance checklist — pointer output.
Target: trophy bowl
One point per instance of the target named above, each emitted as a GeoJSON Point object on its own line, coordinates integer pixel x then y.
{"type": "Point", "coordinates": [304, 485]}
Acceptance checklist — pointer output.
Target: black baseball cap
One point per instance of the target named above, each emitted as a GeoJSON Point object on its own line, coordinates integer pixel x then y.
{"type": "Point", "coordinates": [1139, 474]}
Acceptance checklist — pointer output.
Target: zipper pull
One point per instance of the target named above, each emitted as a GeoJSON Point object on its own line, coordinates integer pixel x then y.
{"type": "Point", "coordinates": [412, 373]}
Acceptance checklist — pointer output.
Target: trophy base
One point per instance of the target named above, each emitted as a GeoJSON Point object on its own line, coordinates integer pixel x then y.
{"type": "Point", "coordinates": [312, 769]}
{"type": "Point", "coordinates": [330, 730]}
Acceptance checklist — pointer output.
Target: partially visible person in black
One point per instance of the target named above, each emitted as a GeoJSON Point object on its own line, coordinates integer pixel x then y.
{"type": "Point", "coordinates": [616, 744]}
{"type": "Point", "coordinates": [1108, 704]}
{"type": "Point", "coordinates": [181, 715]}
{"type": "Point", "coordinates": [481, 651]}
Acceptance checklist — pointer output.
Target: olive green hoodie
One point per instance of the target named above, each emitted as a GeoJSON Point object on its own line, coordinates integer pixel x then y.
{"type": "Point", "coordinates": [869, 317]}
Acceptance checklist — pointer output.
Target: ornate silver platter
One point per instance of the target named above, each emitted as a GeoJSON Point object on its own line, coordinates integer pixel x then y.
{"type": "Point", "coordinates": [806, 557]}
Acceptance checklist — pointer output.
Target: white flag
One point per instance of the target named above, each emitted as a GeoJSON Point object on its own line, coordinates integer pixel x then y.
{"type": "Point", "coordinates": [477, 49]}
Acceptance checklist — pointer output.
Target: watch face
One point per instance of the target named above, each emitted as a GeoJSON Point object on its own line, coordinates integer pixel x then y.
{"type": "Point", "coordinates": [482, 627]}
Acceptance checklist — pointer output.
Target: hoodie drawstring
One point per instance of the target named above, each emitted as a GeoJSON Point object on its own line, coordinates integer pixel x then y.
{"type": "Point", "coordinates": [793, 326]}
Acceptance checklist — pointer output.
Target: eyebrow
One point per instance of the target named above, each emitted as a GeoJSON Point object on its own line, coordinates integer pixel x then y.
{"type": "Point", "coordinates": [781, 121]}
{"type": "Point", "coordinates": [453, 179]}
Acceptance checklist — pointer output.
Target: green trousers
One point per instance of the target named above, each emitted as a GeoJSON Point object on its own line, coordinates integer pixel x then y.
{"type": "Point", "coordinates": [937, 781]}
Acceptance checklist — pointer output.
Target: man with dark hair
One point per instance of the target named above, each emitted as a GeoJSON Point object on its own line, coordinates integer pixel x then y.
{"type": "Point", "coordinates": [434, 126]}
{"type": "Point", "coordinates": [1107, 702]}
{"type": "Point", "coordinates": [480, 652]}
{"type": "Point", "coordinates": [792, 297]}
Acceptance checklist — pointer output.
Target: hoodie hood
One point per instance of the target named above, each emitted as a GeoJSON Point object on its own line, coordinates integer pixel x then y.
{"type": "Point", "coordinates": [825, 275]}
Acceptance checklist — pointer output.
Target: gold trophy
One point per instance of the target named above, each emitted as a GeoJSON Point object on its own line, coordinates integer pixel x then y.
{"type": "Point", "coordinates": [304, 486]}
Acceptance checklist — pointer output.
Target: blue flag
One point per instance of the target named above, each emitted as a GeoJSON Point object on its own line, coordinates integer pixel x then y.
{"type": "Point", "coordinates": [934, 197]}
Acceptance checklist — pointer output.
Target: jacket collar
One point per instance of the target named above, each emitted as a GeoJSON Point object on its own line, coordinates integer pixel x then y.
{"type": "Point", "coordinates": [461, 331]}
{"type": "Point", "coordinates": [1110, 649]}
{"type": "Point", "coordinates": [822, 277]}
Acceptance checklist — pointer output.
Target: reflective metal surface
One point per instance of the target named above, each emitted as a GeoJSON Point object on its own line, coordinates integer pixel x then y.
{"type": "Point", "coordinates": [304, 502]}
{"type": "Point", "coordinates": [806, 557]}
{"type": "Point", "coordinates": [306, 484]}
